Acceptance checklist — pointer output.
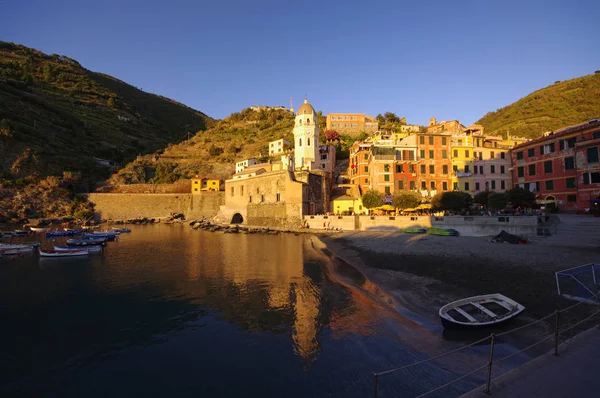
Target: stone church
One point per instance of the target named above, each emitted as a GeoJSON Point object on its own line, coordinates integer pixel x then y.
{"type": "Point", "coordinates": [280, 192]}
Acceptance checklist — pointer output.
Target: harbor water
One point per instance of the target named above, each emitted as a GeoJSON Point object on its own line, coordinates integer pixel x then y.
{"type": "Point", "coordinates": [171, 311]}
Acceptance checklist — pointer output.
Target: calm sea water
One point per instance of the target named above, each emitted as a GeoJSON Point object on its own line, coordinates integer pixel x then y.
{"type": "Point", "coordinates": [169, 311]}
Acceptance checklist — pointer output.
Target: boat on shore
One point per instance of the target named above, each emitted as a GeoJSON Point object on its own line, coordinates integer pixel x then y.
{"type": "Point", "coordinates": [412, 230]}
{"type": "Point", "coordinates": [71, 253]}
{"type": "Point", "coordinates": [479, 311]}
{"type": "Point", "coordinates": [442, 232]}
{"type": "Point", "coordinates": [90, 249]}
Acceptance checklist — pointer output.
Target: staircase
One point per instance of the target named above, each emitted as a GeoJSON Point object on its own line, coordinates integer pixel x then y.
{"type": "Point", "coordinates": [573, 231]}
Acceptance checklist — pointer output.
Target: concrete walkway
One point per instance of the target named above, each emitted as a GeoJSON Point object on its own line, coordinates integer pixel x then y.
{"type": "Point", "coordinates": [574, 373]}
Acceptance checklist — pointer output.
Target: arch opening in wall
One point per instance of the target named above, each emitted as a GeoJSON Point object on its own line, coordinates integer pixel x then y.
{"type": "Point", "coordinates": [237, 219]}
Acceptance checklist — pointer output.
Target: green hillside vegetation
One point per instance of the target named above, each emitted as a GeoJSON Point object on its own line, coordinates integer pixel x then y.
{"type": "Point", "coordinates": [551, 108]}
{"type": "Point", "coordinates": [213, 153]}
{"type": "Point", "coordinates": [56, 115]}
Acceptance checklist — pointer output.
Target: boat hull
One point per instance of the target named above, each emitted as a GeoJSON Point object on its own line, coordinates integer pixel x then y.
{"type": "Point", "coordinates": [511, 309]}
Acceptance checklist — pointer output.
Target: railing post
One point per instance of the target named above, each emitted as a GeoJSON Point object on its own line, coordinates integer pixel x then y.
{"type": "Point", "coordinates": [489, 375]}
{"type": "Point", "coordinates": [375, 376]}
{"type": "Point", "coordinates": [556, 333]}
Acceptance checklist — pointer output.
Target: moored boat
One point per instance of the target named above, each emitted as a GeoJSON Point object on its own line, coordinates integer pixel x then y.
{"type": "Point", "coordinates": [40, 229]}
{"type": "Point", "coordinates": [67, 232]}
{"type": "Point", "coordinates": [479, 311]}
{"type": "Point", "coordinates": [118, 230]}
{"type": "Point", "coordinates": [54, 253]}
{"type": "Point", "coordinates": [89, 248]}
{"type": "Point", "coordinates": [107, 235]}
{"type": "Point", "coordinates": [86, 241]}
{"type": "Point", "coordinates": [19, 248]}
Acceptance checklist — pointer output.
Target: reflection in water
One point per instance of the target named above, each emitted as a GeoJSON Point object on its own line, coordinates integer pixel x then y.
{"type": "Point", "coordinates": [219, 314]}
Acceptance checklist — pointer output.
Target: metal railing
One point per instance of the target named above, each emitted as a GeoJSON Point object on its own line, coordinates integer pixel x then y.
{"type": "Point", "coordinates": [493, 339]}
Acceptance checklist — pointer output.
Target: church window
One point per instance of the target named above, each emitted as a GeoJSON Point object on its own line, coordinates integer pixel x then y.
{"type": "Point", "coordinates": [307, 121]}
{"type": "Point", "coordinates": [278, 196]}
{"type": "Point", "coordinates": [308, 141]}
{"type": "Point", "coordinates": [300, 142]}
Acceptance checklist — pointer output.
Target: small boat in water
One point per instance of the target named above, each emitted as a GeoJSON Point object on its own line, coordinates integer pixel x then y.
{"type": "Point", "coordinates": [11, 249]}
{"type": "Point", "coordinates": [71, 253]}
{"type": "Point", "coordinates": [90, 249]}
{"type": "Point", "coordinates": [107, 235]}
{"type": "Point", "coordinates": [40, 229]}
{"type": "Point", "coordinates": [118, 230]}
{"type": "Point", "coordinates": [86, 241]}
{"type": "Point", "coordinates": [479, 311]}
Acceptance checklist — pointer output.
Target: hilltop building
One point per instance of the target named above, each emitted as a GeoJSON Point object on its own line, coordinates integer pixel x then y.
{"type": "Point", "coordinates": [351, 123]}
{"type": "Point", "coordinates": [279, 146]}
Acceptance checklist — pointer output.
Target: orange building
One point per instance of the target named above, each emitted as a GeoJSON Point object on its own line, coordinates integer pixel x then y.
{"type": "Point", "coordinates": [360, 159]}
{"type": "Point", "coordinates": [435, 163]}
{"type": "Point", "coordinates": [351, 123]}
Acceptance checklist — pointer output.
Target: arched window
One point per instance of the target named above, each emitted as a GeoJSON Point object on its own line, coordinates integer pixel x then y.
{"type": "Point", "coordinates": [300, 142]}
{"type": "Point", "coordinates": [308, 141]}
{"type": "Point", "coordinates": [307, 121]}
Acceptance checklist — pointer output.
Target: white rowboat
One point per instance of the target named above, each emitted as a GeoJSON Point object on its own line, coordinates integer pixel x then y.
{"type": "Point", "coordinates": [479, 311]}
{"type": "Point", "coordinates": [54, 253]}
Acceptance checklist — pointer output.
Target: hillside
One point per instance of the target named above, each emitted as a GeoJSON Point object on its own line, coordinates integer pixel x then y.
{"type": "Point", "coordinates": [212, 153]}
{"type": "Point", "coordinates": [56, 115]}
{"type": "Point", "coordinates": [559, 105]}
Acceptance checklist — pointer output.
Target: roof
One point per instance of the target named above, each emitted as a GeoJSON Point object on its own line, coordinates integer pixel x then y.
{"type": "Point", "coordinates": [561, 132]}
{"type": "Point", "coordinates": [345, 192]}
{"type": "Point", "coordinates": [306, 109]}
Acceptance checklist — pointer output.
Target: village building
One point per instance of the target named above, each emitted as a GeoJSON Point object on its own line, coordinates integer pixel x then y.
{"type": "Point", "coordinates": [435, 163]}
{"type": "Point", "coordinates": [280, 192]}
{"type": "Point", "coordinates": [279, 146]}
{"type": "Point", "coordinates": [351, 123]}
{"type": "Point", "coordinates": [562, 167]}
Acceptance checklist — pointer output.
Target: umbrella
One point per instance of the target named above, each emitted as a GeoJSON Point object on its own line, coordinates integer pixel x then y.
{"type": "Point", "coordinates": [387, 208]}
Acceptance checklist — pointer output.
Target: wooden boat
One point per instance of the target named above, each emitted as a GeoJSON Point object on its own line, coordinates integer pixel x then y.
{"type": "Point", "coordinates": [86, 241]}
{"type": "Point", "coordinates": [90, 249]}
{"type": "Point", "coordinates": [54, 253]}
{"type": "Point", "coordinates": [479, 311]}
{"type": "Point", "coordinates": [67, 232]}
{"type": "Point", "coordinates": [442, 232]}
{"type": "Point", "coordinates": [414, 230]}
{"type": "Point", "coordinates": [18, 248]}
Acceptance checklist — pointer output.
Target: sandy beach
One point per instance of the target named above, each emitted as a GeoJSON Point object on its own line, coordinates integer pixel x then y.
{"type": "Point", "coordinates": [424, 272]}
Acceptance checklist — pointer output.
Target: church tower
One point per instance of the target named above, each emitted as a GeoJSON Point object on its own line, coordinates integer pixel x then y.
{"type": "Point", "coordinates": [306, 137]}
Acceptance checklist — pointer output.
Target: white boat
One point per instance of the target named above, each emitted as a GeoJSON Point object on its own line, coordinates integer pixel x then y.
{"type": "Point", "coordinates": [90, 249]}
{"type": "Point", "coordinates": [54, 253]}
{"type": "Point", "coordinates": [40, 229]}
{"type": "Point", "coordinates": [479, 311]}
{"type": "Point", "coordinates": [19, 248]}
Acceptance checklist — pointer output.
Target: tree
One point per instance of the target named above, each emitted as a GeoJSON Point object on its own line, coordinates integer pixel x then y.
{"type": "Point", "coordinates": [215, 150]}
{"type": "Point", "coordinates": [520, 197]}
{"type": "Point", "coordinates": [391, 117]}
{"type": "Point", "coordinates": [372, 198]}
{"type": "Point", "coordinates": [380, 119]}
{"type": "Point", "coordinates": [406, 199]}
{"type": "Point", "coordinates": [497, 200]}
{"type": "Point", "coordinates": [331, 135]}
{"type": "Point", "coordinates": [455, 201]}
{"type": "Point", "coordinates": [481, 198]}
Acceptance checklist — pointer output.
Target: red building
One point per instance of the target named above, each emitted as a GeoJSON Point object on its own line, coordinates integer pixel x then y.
{"type": "Point", "coordinates": [407, 164]}
{"type": "Point", "coordinates": [360, 158]}
{"type": "Point", "coordinates": [557, 167]}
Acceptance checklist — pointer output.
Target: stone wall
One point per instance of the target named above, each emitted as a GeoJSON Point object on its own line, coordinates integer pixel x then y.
{"type": "Point", "coordinates": [123, 206]}
{"type": "Point", "coordinates": [466, 226]}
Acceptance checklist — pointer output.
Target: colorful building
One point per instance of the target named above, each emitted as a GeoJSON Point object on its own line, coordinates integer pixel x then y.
{"type": "Point", "coordinates": [278, 147]}
{"type": "Point", "coordinates": [561, 167]}
{"type": "Point", "coordinates": [347, 199]}
{"type": "Point", "coordinates": [435, 163]}
{"type": "Point", "coordinates": [360, 158]}
{"type": "Point", "coordinates": [407, 163]}
{"type": "Point", "coordinates": [351, 123]}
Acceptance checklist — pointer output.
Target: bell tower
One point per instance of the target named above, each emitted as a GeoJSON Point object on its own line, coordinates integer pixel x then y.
{"type": "Point", "coordinates": [306, 137]}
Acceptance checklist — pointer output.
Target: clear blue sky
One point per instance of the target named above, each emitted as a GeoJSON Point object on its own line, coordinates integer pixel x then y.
{"type": "Point", "coordinates": [449, 59]}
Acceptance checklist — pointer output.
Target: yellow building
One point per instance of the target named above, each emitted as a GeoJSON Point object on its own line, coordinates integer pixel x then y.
{"type": "Point", "coordinates": [205, 184]}
{"type": "Point", "coordinates": [346, 199]}
{"type": "Point", "coordinates": [461, 148]}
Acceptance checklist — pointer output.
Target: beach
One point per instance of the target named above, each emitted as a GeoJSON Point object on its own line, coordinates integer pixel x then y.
{"type": "Point", "coordinates": [424, 272]}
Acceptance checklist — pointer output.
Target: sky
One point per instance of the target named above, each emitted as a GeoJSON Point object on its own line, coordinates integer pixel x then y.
{"type": "Point", "coordinates": [448, 59]}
